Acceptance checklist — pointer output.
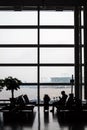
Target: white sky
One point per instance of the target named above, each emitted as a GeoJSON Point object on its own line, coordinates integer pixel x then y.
{"type": "Point", "coordinates": [29, 36]}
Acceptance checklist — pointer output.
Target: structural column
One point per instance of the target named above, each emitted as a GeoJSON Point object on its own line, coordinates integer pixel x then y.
{"type": "Point", "coordinates": [78, 88]}
{"type": "Point", "coordinates": [80, 54]}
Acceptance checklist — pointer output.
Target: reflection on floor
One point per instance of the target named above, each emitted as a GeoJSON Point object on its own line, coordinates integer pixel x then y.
{"type": "Point", "coordinates": [41, 120]}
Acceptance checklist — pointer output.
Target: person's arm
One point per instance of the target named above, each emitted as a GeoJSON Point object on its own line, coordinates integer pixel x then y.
{"type": "Point", "coordinates": [59, 97]}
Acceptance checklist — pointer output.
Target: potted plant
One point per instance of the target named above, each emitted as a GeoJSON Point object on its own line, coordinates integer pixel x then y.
{"type": "Point", "coordinates": [11, 84]}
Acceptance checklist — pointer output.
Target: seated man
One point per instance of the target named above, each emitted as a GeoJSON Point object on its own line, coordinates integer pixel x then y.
{"type": "Point", "coordinates": [70, 102]}
{"type": "Point", "coordinates": [61, 102]}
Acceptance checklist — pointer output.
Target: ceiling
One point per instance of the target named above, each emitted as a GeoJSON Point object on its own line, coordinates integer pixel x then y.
{"type": "Point", "coordinates": [42, 4]}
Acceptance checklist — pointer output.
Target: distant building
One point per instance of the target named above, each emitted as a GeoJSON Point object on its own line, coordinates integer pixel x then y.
{"type": "Point", "coordinates": [60, 79]}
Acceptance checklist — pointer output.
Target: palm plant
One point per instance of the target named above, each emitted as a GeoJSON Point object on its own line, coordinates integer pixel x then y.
{"type": "Point", "coordinates": [11, 84]}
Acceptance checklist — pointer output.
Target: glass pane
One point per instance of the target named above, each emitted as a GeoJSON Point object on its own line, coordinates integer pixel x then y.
{"type": "Point", "coordinates": [82, 33]}
{"type": "Point", "coordinates": [83, 74]}
{"type": "Point", "coordinates": [18, 36]}
{"type": "Point", "coordinates": [30, 91]}
{"type": "Point", "coordinates": [83, 82]}
{"type": "Point", "coordinates": [56, 17]}
{"type": "Point", "coordinates": [25, 74]}
{"type": "Point", "coordinates": [82, 20]}
{"type": "Point", "coordinates": [83, 55]}
{"type": "Point", "coordinates": [83, 94]}
{"type": "Point", "coordinates": [56, 74]}
{"type": "Point", "coordinates": [18, 55]}
{"type": "Point", "coordinates": [54, 92]}
{"type": "Point", "coordinates": [57, 55]}
{"type": "Point", "coordinates": [18, 18]}
{"type": "Point", "coordinates": [57, 36]}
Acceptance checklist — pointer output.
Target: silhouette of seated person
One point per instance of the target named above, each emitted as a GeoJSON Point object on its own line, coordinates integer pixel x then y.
{"type": "Point", "coordinates": [61, 102]}
{"type": "Point", "coordinates": [70, 102]}
{"type": "Point", "coordinates": [73, 103]}
{"type": "Point", "coordinates": [46, 102]}
{"type": "Point", "coordinates": [78, 104]}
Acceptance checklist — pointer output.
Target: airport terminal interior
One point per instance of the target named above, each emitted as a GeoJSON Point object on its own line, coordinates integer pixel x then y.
{"type": "Point", "coordinates": [43, 48]}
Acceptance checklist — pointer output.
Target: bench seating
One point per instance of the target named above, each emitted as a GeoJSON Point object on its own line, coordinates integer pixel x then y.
{"type": "Point", "coordinates": [16, 108]}
{"type": "Point", "coordinates": [20, 103]}
{"type": "Point", "coordinates": [20, 108]}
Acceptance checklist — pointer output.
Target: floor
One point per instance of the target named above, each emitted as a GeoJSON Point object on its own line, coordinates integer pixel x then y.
{"type": "Point", "coordinates": [40, 120]}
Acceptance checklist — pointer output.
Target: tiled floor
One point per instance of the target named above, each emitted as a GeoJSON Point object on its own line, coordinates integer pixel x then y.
{"type": "Point", "coordinates": [40, 121]}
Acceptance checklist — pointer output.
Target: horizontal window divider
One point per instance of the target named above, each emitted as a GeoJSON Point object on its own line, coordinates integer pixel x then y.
{"type": "Point", "coordinates": [18, 45]}
{"type": "Point", "coordinates": [17, 64]}
{"type": "Point", "coordinates": [36, 27]}
{"type": "Point", "coordinates": [57, 45]}
{"type": "Point", "coordinates": [4, 100]}
{"type": "Point", "coordinates": [40, 65]}
{"type": "Point", "coordinates": [36, 45]}
{"type": "Point", "coordinates": [18, 26]}
{"type": "Point", "coordinates": [82, 45]}
{"type": "Point", "coordinates": [36, 64]}
{"type": "Point", "coordinates": [46, 84]}
{"type": "Point", "coordinates": [56, 64]}
{"type": "Point", "coordinates": [32, 83]}
{"type": "Point", "coordinates": [55, 84]}
{"type": "Point", "coordinates": [56, 26]}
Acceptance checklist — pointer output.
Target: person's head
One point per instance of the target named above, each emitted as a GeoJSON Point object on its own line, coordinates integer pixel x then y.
{"type": "Point", "coordinates": [46, 95]}
{"type": "Point", "coordinates": [71, 95]}
{"type": "Point", "coordinates": [63, 92]}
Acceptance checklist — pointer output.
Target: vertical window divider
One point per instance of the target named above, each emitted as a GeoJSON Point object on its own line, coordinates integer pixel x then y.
{"type": "Point", "coordinates": [80, 54]}
{"type": "Point", "coordinates": [38, 56]}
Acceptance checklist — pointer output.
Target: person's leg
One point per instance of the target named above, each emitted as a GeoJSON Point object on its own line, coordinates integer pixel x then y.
{"type": "Point", "coordinates": [53, 105]}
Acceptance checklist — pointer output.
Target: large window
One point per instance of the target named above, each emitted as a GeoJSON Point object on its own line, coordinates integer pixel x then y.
{"type": "Point", "coordinates": [39, 53]}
